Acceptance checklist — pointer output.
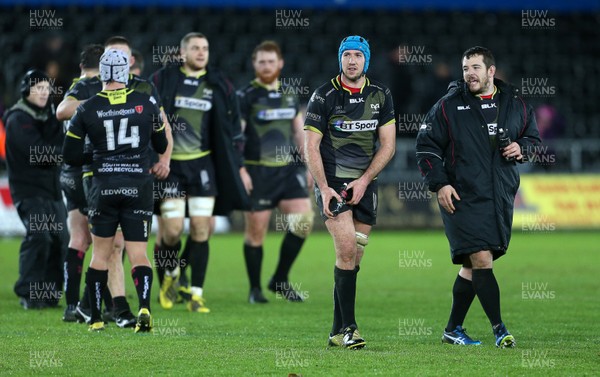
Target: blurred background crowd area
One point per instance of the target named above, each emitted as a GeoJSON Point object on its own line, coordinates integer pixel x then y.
{"type": "Point", "coordinates": [415, 52]}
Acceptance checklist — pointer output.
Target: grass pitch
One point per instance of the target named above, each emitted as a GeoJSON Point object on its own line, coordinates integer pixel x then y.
{"type": "Point", "coordinates": [550, 302]}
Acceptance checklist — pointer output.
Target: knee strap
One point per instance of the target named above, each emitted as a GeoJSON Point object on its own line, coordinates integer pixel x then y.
{"type": "Point", "coordinates": [362, 240]}
{"type": "Point", "coordinates": [300, 224]}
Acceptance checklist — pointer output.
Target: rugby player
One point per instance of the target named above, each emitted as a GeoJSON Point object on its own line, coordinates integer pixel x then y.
{"type": "Point", "coordinates": [120, 123]}
{"type": "Point", "coordinates": [81, 91]}
{"type": "Point", "coordinates": [272, 124]}
{"type": "Point", "coordinates": [345, 118]}
{"type": "Point", "coordinates": [72, 187]}
{"type": "Point", "coordinates": [207, 171]}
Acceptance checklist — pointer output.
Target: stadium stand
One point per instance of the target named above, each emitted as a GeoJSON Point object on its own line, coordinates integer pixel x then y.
{"type": "Point", "coordinates": [444, 34]}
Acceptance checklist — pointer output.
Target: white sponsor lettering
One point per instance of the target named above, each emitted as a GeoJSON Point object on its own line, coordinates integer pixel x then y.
{"type": "Point", "coordinates": [126, 191]}
{"type": "Point", "coordinates": [316, 97]}
{"type": "Point", "coordinates": [463, 107]}
{"type": "Point", "coordinates": [357, 100]}
{"type": "Point", "coordinates": [112, 113]}
{"type": "Point", "coordinates": [313, 116]}
{"type": "Point", "coordinates": [356, 125]}
{"type": "Point", "coordinates": [191, 82]}
{"type": "Point", "coordinates": [276, 114]}
{"type": "Point", "coordinates": [193, 103]}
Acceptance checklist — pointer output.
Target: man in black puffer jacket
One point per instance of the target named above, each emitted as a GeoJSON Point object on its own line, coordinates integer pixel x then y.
{"type": "Point", "coordinates": [33, 154]}
{"type": "Point", "coordinates": [465, 159]}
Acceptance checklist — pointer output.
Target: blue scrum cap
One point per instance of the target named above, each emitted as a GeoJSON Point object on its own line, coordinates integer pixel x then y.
{"type": "Point", "coordinates": [355, 42]}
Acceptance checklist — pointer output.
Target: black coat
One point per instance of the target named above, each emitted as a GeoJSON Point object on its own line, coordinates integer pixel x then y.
{"type": "Point", "coordinates": [33, 152]}
{"type": "Point", "coordinates": [453, 147]}
{"type": "Point", "coordinates": [226, 134]}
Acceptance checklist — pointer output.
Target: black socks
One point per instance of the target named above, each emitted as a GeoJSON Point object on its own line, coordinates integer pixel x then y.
{"type": "Point", "coordinates": [488, 292]}
{"type": "Point", "coordinates": [290, 248]}
{"type": "Point", "coordinates": [462, 297]}
{"type": "Point", "coordinates": [96, 285]}
{"type": "Point", "coordinates": [345, 287]}
{"type": "Point", "coordinates": [253, 257]}
{"type": "Point", "coordinates": [198, 262]}
{"type": "Point", "coordinates": [72, 269]}
{"type": "Point", "coordinates": [142, 279]}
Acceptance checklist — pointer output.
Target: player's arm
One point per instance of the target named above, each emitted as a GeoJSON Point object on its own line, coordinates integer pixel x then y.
{"type": "Point", "coordinates": [159, 138]}
{"type": "Point", "coordinates": [67, 107]}
{"type": "Point", "coordinates": [244, 122]}
{"type": "Point", "coordinates": [162, 167]}
{"type": "Point", "coordinates": [239, 139]}
{"type": "Point", "coordinates": [73, 145]}
{"type": "Point", "coordinates": [386, 133]}
{"type": "Point", "coordinates": [166, 156]}
{"type": "Point", "coordinates": [244, 175]}
{"type": "Point", "coordinates": [298, 136]}
{"type": "Point", "coordinates": [75, 96]}
{"type": "Point", "coordinates": [298, 132]}
{"type": "Point", "coordinates": [314, 162]}
{"type": "Point", "coordinates": [243, 108]}
{"type": "Point", "coordinates": [387, 139]}
{"type": "Point", "coordinates": [387, 148]}
{"type": "Point", "coordinates": [314, 125]}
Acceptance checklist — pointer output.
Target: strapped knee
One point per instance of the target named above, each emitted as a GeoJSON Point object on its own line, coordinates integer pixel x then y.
{"type": "Point", "coordinates": [172, 208]}
{"type": "Point", "coordinates": [300, 224]}
{"type": "Point", "coordinates": [201, 206]}
{"type": "Point", "coordinates": [362, 240]}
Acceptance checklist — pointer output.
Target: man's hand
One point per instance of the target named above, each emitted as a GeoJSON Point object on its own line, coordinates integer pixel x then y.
{"type": "Point", "coordinates": [161, 169]}
{"type": "Point", "coordinates": [327, 193]}
{"type": "Point", "coordinates": [358, 187]}
{"type": "Point", "coordinates": [512, 150]}
{"type": "Point", "coordinates": [445, 195]}
{"type": "Point", "coordinates": [246, 180]}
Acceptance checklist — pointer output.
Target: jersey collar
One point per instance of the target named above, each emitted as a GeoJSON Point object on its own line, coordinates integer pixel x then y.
{"type": "Point", "coordinates": [337, 83]}
{"type": "Point", "coordinates": [257, 83]}
{"type": "Point", "coordinates": [492, 95]}
{"type": "Point", "coordinates": [200, 74]}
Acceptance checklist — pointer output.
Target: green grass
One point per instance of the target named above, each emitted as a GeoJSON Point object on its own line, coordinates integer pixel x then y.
{"type": "Point", "coordinates": [401, 312]}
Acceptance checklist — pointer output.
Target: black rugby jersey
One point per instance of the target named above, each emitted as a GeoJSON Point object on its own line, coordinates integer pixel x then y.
{"type": "Point", "coordinates": [88, 87]}
{"type": "Point", "coordinates": [348, 123]}
{"type": "Point", "coordinates": [191, 117]}
{"type": "Point", "coordinates": [490, 110]}
{"type": "Point", "coordinates": [120, 125]}
{"type": "Point", "coordinates": [269, 116]}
